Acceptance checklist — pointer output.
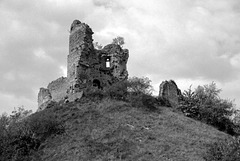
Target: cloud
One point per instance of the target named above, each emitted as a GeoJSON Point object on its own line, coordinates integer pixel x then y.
{"type": "Point", "coordinates": [192, 40]}
{"type": "Point", "coordinates": [184, 43]}
{"type": "Point", "coordinates": [189, 41]}
{"type": "Point", "coordinates": [14, 102]}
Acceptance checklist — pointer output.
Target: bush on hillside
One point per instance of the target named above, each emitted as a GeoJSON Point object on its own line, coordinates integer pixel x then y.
{"type": "Point", "coordinates": [137, 86]}
{"type": "Point", "coordinates": [19, 114]}
{"type": "Point", "coordinates": [163, 101]}
{"type": "Point", "coordinates": [94, 93]}
{"type": "Point", "coordinates": [204, 104]}
{"type": "Point", "coordinates": [117, 91]}
{"type": "Point", "coordinates": [137, 91]}
{"type": "Point", "coordinates": [149, 102]}
{"type": "Point", "coordinates": [44, 124]}
{"type": "Point", "coordinates": [228, 150]}
{"type": "Point", "coordinates": [20, 139]}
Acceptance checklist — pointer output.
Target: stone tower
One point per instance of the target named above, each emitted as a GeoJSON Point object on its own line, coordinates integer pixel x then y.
{"type": "Point", "coordinates": [80, 49]}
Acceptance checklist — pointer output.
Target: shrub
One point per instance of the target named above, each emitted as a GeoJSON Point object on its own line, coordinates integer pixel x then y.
{"type": "Point", "coordinates": [17, 142]}
{"type": "Point", "coordinates": [204, 104]}
{"type": "Point", "coordinates": [149, 102]}
{"type": "Point", "coordinates": [4, 122]}
{"type": "Point", "coordinates": [19, 139]}
{"type": "Point", "coordinates": [117, 91]}
{"type": "Point", "coordinates": [137, 91]}
{"type": "Point", "coordinates": [142, 100]}
{"type": "Point", "coordinates": [19, 114]}
{"type": "Point", "coordinates": [44, 124]}
{"type": "Point", "coordinates": [137, 85]}
{"type": "Point", "coordinates": [163, 101]}
{"type": "Point", "coordinates": [118, 41]}
{"type": "Point", "coordinates": [97, 46]}
{"type": "Point", "coordinates": [94, 93]}
{"type": "Point", "coordinates": [228, 150]}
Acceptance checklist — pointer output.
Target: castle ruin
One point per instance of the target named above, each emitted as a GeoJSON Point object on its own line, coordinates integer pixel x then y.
{"type": "Point", "coordinates": [86, 67]}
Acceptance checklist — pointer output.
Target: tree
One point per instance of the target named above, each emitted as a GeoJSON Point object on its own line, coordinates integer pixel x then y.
{"type": "Point", "coordinates": [140, 85]}
{"type": "Point", "coordinates": [4, 122]}
{"type": "Point", "coordinates": [21, 133]}
{"type": "Point", "coordinates": [204, 104]}
{"type": "Point", "coordinates": [140, 93]}
{"type": "Point", "coordinates": [118, 41]}
{"type": "Point", "coordinates": [97, 46]}
{"type": "Point", "coordinates": [19, 114]}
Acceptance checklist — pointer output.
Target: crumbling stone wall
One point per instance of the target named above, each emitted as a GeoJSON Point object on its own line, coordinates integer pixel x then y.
{"type": "Point", "coordinates": [118, 60]}
{"type": "Point", "coordinates": [80, 49]}
{"type": "Point", "coordinates": [58, 88]}
{"type": "Point", "coordinates": [55, 91]}
{"type": "Point", "coordinates": [170, 92]}
{"type": "Point", "coordinates": [44, 95]}
{"type": "Point", "coordinates": [86, 66]}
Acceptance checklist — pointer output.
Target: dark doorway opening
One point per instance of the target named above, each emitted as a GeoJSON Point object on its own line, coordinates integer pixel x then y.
{"type": "Point", "coordinates": [96, 83]}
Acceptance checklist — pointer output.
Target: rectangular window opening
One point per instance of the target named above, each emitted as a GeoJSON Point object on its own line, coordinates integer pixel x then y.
{"type": "Point", "coordinates": [108, 62]}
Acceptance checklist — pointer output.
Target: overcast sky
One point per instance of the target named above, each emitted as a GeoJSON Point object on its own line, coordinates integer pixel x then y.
{"type": "Point", "coordinates": [190, 41]}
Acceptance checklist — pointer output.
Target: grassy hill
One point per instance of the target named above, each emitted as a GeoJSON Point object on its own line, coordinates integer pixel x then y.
{"type": "Point", "coordinates": [110, 130]}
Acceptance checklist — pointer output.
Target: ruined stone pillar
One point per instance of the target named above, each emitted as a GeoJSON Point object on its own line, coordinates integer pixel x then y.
{"type": "Point", "coordinates": [169, 91]}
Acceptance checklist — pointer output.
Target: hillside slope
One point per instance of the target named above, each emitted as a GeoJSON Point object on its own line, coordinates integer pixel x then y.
{"type": "Point", "coordinates": [113, 130]}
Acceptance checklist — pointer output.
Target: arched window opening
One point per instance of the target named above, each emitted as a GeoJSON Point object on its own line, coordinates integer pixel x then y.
{"type": "Point", "coordinates": [96, 83]}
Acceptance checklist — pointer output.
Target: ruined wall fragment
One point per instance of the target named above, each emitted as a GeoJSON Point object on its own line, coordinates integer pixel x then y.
{"type": "Point", "coordinates": [118, 60]}
{"type": "Point", "coordinates": [44, 96]}
{"type": "Point", "coordinates": [170, 92]}
{"type": "Point", "coordinates": [58, 88]}
{"type": "Point", "coordinates": [80, 50]}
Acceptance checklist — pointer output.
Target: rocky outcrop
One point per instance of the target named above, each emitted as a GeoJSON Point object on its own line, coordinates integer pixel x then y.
{"type": "Point", "coordinates": [170, 92]}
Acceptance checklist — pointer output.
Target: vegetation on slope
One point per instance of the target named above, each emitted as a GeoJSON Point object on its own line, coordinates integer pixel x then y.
{"type": "Point", "coordinates": [205, 105]}
{"type": "Point", "coordinates": [21, 135]}
{"type": "Point", "coordinates": [114, 130]}
{"type": "Point", "coordinates": [123, 122]}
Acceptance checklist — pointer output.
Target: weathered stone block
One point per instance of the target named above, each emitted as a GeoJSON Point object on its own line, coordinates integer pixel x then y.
{"type": "Point", "coordinates": [170, 92]}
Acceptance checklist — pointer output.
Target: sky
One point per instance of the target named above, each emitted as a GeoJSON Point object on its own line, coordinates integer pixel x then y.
{"type": "Point", "coordinates": [193, 42]}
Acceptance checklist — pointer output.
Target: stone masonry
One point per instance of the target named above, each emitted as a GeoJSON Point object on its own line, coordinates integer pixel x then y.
{"type": "Point", "coordinates": [86, 67]}
{"type": "Point", "coordinates": [170, 92]}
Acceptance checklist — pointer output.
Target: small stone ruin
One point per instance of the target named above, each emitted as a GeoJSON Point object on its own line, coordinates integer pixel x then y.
{"type": "Point", "coordinates": [170, 92]}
